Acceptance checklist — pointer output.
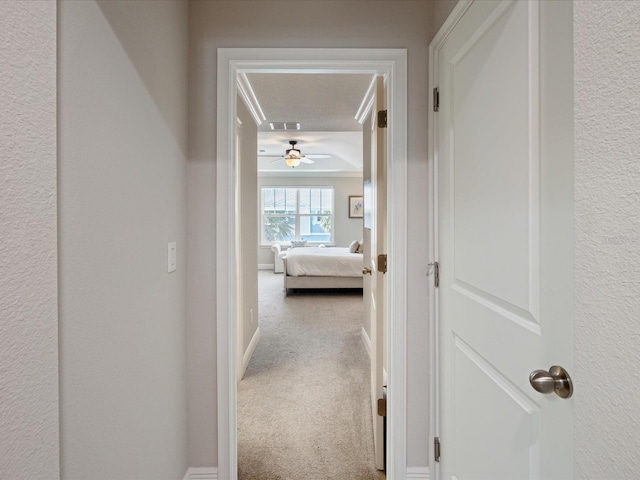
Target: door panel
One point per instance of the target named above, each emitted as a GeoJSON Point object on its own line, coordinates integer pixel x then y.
{"type": "Point", "coordinates": [378, 247]}
{"type": "Point", "coordinates": [482, 189]}
{"type": "Point", "coordinates": [473, 378]}
{"type": "Point", "coordinates": [499, 238]}
{"type": "Point", "coordinates": [374, 177]}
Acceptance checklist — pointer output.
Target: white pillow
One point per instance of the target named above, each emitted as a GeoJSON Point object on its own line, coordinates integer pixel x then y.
{"type": "Point", "coordinates": [298, 243]}
{"type": "Point", "coordinates": [353, 247]}
{"type": "Point", "coordinates": [360, 247]}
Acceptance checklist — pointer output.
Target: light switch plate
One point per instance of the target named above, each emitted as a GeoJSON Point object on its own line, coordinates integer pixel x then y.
{"type": "Point", "coordinates": [171, 256]}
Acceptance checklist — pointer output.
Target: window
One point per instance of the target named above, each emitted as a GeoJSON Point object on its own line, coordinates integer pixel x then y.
{"type": "Point", "coordinates": [297, 213]}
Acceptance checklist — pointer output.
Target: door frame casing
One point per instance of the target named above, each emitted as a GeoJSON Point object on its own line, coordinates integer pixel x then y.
{"type": "Point", "coordinates": [393, 64]}
{"type": "Point", "coordinates": [432, 138]}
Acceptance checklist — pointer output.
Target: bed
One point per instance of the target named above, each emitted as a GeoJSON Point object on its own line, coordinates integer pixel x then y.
{"type": "Point", "coordinates": [317, 267]}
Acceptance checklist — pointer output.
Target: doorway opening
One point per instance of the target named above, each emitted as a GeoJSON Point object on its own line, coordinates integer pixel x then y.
{"type": "Point", "coordinates": [304, 389]}
{"type": "Point", "coordinates": [231, 63]}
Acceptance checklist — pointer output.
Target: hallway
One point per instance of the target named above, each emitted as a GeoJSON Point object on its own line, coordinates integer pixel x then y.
{"type": "Point", "coordinates": [304, 403]}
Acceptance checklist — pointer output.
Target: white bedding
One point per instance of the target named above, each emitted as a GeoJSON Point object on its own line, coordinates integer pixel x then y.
{"type": "Point", "coordinates": [323, 262]}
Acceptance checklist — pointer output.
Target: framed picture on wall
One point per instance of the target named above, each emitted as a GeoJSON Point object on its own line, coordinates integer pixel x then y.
{"type": "Point", "coordinates": [356, 206]}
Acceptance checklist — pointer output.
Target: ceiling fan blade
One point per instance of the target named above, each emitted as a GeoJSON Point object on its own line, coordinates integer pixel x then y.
{"type": "Point", "coordinates": [294, 152]}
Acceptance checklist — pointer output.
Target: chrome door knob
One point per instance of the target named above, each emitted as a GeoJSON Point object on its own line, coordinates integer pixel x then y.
{"type": "Point", "coordinates": [366, 271]}
{"type": "Point", "coordinates": [556, 380]}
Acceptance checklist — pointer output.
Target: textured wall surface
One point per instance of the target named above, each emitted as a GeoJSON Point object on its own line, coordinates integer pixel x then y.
{"type": "Point", "coordinates": [29, 446]}
{"type": "Point", "coordinates": [327, 24]}
{"type": "Point", "coordinates": [122, 198]}
{"type": "Point", "coordinates": [607, 169]}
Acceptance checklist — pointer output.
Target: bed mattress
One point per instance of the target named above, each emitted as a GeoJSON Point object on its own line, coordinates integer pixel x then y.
{"type": "Point", "coordinates": [323, 262]}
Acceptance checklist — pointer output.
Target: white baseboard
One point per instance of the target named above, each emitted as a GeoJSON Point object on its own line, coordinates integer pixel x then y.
{"type": "Point", "coordinates": [366, 340]}
{"type": "Point", "coordinates": [246, 358]}
{"type": "Point", "coordinates": [265, 266]}
{"type": "Point", "coordinates": [201, 473]}
{"type": "Point", "coordinates": [417, 473]}
{"type": "Point", "coordinates": [211, 473]}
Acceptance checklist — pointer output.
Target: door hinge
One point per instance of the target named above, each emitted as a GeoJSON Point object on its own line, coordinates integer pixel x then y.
{"type": "Point", "coordinates": [382, 407]}
{"type": "Point", "coordinates": [435, 268]}
{"type": "Point", "coordinates": [382, 263]}
{"type": "Point", "coordinates": [436, 449]}
{"type": "Point", "coordinates": [436, 274]}
{"type": "Point", "coordinates": [382, 119]}
{"type": "Point", "coordinates": [436, 99]}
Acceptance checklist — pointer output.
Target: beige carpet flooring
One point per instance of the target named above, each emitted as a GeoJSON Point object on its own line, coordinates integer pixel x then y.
{"type": "Point", "coordinates": [304, 409]}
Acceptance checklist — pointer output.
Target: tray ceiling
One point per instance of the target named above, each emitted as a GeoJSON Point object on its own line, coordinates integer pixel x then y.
{"type": "Point", "coordinates": [325, 106]}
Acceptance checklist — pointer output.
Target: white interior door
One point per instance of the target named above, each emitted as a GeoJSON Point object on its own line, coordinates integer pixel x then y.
{"type": "Point", "coordinates": [505, 239]}
{"type": "Point", "coordinates": [375, 243]}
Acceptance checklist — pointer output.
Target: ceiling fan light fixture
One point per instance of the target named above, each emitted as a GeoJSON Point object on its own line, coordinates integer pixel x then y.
{"type": "Point", "coordinates": [293, 156]}
{"type": "Point", "coordinates": [292, 162]}
{"type": "Point", "coordinates": [294, 153]}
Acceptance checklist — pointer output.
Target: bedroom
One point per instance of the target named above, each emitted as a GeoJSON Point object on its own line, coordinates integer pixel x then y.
{"type": "Point", "coordinates": [323, 107]}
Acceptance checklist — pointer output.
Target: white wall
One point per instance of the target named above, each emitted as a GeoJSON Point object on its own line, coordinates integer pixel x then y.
{"type": "Point", "coordinates": [248, 227]}
{"type": "Point", "coordinates": [122, 198]}
{"type": "Point", "coordinates": [346, 229]}
{"type": "Point", "coordinates": [29, 446]}
{"type": "Point", "coordinates": [253, 23]}
{"type": "Point", "coordinates": [607, 262]}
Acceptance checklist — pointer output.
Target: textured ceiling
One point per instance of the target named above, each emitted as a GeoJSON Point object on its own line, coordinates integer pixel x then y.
{"type": "Point", "coordinates": [325, 106]}
{"type": "Point", "coordinates": [319, 102]}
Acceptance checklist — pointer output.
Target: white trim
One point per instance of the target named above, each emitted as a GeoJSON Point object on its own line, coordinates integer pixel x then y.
{"type": "Point", "coordinates": [201, 473]}
{"type": "Point", "coordinates": [246, 358]}
{"type": "Point", "coordinates": [246, 92]}
{"type": "Point", "coordinates": [393, 64]}
{"type": "Point", "coordinates": [367, 102]}
{"type": "Point", "coordinates": [417, 473]}
{"type": "Point", "coordinates": [366, 341]}
{"type": "Point", "coordinates": [434, 332]}
{"type": "Point", "coordinates": [265, 266]}
{"type": "Point", "coordinates": [226, 270]}
{"type": "Point", "coordinates": [315, 173]}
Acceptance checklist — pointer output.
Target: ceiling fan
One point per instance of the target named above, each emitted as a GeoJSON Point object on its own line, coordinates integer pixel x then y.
{"type": "Point", "coordinates": [293, 156]}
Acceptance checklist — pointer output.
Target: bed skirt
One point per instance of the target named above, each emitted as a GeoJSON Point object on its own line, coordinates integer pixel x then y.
{"type": "Point", "coordinates": [319, 282]}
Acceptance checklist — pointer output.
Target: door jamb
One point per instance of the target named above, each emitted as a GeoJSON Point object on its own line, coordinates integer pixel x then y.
{"type": "Point", "coordinates": [389, 62]}
{"type": "Point", "coordinates": [434, 331]}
